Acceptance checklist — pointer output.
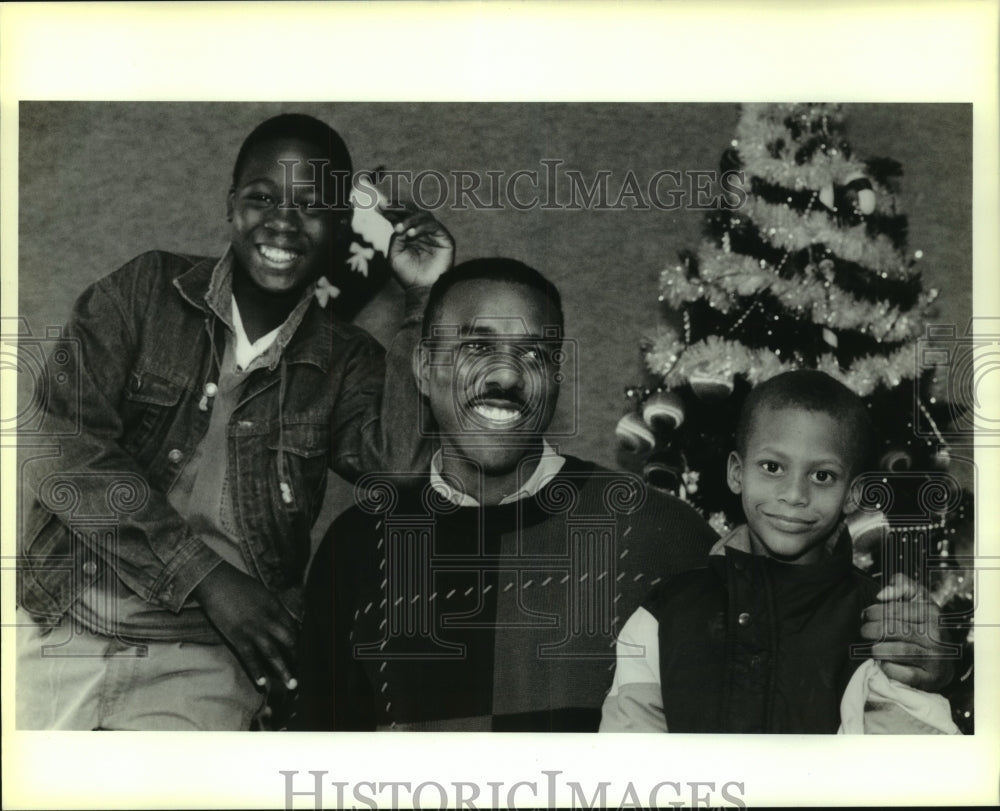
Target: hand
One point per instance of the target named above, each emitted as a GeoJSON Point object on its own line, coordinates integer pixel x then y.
{"type": "Point", "coordinates": [252, 621]}
{"type": "Point", "coordinates": [904, 626]}
{"type": "Point", "coordinates": [421, 249]}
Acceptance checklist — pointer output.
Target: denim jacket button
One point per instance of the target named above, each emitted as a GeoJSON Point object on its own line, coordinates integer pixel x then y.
{"type": "Point", "coordinates": [744, 619]}
{"type": "Point", "coordinates": [175, 455]}
{"type": "Point", "coordinates": [90, 568]}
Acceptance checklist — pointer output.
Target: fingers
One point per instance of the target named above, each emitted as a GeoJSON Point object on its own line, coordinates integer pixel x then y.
{"type": "Point", "coordinates": [902, 651]}
{"type": "Point", "coordinates": [910, 634]}
{"type": "Point", "coordinates": [246, 652]}
{"type": "Point", "coordinates": [412, 224]}
{"type": "Point", "coordinates": [421, 224]}
{"type": "Point", "coordinates": [912, 658]}
{"type": "Point", "coordinates": [266, 647]}
{"type": "Point", "coordinates": [892, 618]}
{"type": "Point", "coordinates": [917, 622]}
{"type": "Point", "coordinates": [277, 660]}
{"type": "Point", "coordinates": [917, 627]}
{"type": "Point", "coordinates": [264, 657]}
{"type": "Point", "coordinates": [932, 673]}
{"type": "Point", "coordinates": [905, 674]}
{"type": "Point", "coordinates": [254, 622]}
{"type": "Point", "coordinates": [276, 644]}
{"type": "Point", "coordinates": [406, 217]}
{"type": "Point", "coordinates": [901, 587]}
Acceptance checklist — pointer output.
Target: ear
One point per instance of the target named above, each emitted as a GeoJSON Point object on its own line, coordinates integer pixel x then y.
{"type": "Point", "coordinates": [850, 505]}
{"type": "Point", "coordinates": [229, 204]}
{"type": "Point", "coordinates": [421, 369]}
{"type": "Point", "coordinates": [734, 473]}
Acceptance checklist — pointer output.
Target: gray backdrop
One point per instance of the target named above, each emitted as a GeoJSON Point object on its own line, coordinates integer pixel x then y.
{"type": "Point", "coordinates": [102, 182]}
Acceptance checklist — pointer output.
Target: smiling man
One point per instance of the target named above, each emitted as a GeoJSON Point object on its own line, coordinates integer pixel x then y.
{"type": "Point", "coordinates": [487, 595]}
{"type": "Point", "coordinates": [490, 371]}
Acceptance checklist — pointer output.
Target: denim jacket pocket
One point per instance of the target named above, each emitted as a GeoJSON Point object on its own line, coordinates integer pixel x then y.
{"type": "Point", "coordinates": [303, 448]}
{"type": "Point", "coordinates": [149, 400]}
{"type": "Point", "coordinates": [280, 499]}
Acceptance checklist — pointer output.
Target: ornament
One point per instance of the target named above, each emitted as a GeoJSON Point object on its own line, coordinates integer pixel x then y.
{"type": "Point", "coordinates": [325, 291]}
{"type": "Point", "coordinates": [863, 560]}
{"type": "Point", "coordinates": [730, 161]}
{"type": "Point", "coordinates": [826, 196]}
{"type": "Point", "coordinates": [896, 460]}
{"type": "Point", "coordinates": [866, 527]}
{"type": "Point", "coordinates": [663, 411]}
{"type": "Point", "coordinates": [634, 435]}
{"type": "Point", "coordinates": [711, 387]}
{"type": "Point", "coordinates": [719, 523]}
{"type": "Point", "coordinates": [861, 187]}
{"type": "Point", "coordinates": [826, 268]}
{"type": "Point", "coordinates": [664, 470]}
{"type": "Point", "coordinates": [360, 258]}
{"type": "Point", "coordinates": [942, 459]}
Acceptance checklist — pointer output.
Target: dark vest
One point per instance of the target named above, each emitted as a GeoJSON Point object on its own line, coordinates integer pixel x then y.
{"type": "Point", "coordinates": [750, 644]}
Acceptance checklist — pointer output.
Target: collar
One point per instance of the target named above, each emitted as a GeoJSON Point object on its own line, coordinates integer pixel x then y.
{"type": "Point", "coordinates": [549, 464]}
{"type": "Point", "coordinates": [739, 540]}
{"type": "Point", "coordinates": [246, 351]}
{"type": "Point", "coordinates": [219, 295]}
{"type": "Point", "coordinates": [212, 291]}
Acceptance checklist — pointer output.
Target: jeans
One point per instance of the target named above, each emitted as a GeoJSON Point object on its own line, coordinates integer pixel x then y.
{"type": "Point", "coordinates": [72, 679]}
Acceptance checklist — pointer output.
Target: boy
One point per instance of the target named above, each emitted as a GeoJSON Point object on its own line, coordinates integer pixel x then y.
{"type": "Point", "coordinates": [214, 395]}
{"type": "Point", "coordinates": [760, 640]}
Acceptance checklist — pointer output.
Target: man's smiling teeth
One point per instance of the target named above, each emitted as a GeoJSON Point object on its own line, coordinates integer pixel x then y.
{"type": "Point", "coordinates": [279, 255]}
{"type": "Point", "coordinates": [497, 413]}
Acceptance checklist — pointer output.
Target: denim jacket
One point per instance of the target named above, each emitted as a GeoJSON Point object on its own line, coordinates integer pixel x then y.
{"type": "Point", "coordinates": [135, 358]}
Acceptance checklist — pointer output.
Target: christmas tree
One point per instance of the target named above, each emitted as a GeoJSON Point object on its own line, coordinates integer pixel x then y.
{"type": "Point", "coordinates": [808, 269]}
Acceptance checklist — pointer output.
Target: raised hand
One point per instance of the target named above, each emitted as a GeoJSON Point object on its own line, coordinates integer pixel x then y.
{"type": "Point", "coordinates": [421, 249]}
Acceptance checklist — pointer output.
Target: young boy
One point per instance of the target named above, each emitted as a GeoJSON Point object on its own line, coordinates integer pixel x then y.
{"type": "Point", "coordinates": [213, 396]}
{"type": "Point", "coordinates": [760, 640]}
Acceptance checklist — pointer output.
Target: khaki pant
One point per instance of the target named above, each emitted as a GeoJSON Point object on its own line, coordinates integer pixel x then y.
{"type": "Point", "coordinates": [73, 679]}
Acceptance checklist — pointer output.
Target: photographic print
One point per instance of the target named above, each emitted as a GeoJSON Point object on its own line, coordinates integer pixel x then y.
{"type": "Point", "coordinates": [505, 418]}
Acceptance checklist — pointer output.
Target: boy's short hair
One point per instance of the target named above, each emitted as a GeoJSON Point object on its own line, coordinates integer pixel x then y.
{"type": "Point", "coordinates": [494, 269]}
{"type": "Point", "coordinates": [312, 131]}
{"type": "Point", "coordinates": [812, 390]}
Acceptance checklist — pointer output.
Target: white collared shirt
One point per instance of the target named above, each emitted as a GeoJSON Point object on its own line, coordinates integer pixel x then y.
{"type": "Point", "coordinates": [549, 464]}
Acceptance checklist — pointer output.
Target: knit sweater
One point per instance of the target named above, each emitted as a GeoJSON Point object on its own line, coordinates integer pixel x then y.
{"type": "Point", "coordinates": [424, 615]}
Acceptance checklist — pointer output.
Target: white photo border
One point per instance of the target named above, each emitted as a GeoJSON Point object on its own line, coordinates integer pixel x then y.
{"type": "Point", "coordinates": [715, 51]}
